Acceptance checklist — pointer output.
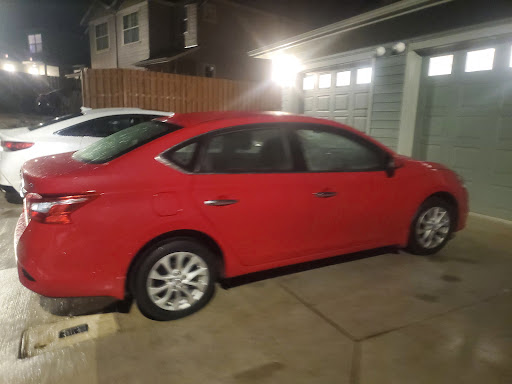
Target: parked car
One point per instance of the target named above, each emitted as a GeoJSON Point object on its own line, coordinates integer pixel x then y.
{"type": "Point", "coordinates": [59, 135]}
{"type": "Point", "coordinates": [163, 209]}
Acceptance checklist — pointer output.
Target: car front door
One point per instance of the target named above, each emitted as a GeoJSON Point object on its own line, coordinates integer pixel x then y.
{"type": "Point", "coordinates": [247, 189]}
{"type": "Point", "coordinates": [351, 193]}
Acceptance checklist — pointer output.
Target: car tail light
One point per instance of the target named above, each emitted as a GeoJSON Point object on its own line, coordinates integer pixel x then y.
{"type": "Point", "coordinates": [54, 210]}
{"type": "Point", "coordinates": [15, 145]}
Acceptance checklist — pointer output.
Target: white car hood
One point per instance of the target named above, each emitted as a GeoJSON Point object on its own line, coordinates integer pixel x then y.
{"type": "Point", "coordinates": [12, 133]}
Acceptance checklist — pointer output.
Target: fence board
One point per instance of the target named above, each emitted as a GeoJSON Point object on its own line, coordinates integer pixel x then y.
{"type": "Point", "coordinates": [103, 88]}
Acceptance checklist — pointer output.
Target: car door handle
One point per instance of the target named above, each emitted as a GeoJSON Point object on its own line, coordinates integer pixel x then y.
{"type": "Point", "coordinates": [325, 194]}
{"type": "Point", "coordinates": [220, 203]}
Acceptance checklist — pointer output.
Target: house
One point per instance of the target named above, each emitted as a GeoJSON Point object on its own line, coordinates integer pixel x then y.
{"type": "Point", "coordinates": [431, 79]}
{"type": "Point", "coordinates": [202, 38]}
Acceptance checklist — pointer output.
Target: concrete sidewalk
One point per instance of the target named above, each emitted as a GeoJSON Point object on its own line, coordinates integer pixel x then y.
{"type": "Point", "coordinates": [390, 318]}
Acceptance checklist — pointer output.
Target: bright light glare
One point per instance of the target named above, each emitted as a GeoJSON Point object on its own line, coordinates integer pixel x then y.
{"type": "Point", "coordinates": [308, 83]}
{"type": "Point", "coordinates": [9, 67]}
{"type": "Point", "coordinates": [324, 80]}
{"type": "Point", "coordinates": [481, 60]}
{"type": "Point", "coordinates": [285, 69]}
{"type": "Point", "coordinates": [33, 71]}
{"type": "Point", "coordinates": [343, 79]}
{"type": "Point", "coordinates": [440, 65]}
{"type": "Point", "coordinates": [364, 75]}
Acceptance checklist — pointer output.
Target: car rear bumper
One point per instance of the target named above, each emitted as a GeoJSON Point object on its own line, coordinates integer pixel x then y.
{"type": "Point", "coordinates": [47, 267]}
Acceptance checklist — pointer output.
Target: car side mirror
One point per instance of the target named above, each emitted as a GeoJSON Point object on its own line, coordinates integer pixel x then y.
{"type": "Point", "coordinates": [393, 164]}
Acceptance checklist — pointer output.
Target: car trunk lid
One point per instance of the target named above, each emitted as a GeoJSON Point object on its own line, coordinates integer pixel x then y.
{"type": "Point", "coordinates": [58, 174]}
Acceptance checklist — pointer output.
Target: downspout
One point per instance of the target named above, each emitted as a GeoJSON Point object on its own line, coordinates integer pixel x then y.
{"type": "Point", "coordinates": [115, 35]}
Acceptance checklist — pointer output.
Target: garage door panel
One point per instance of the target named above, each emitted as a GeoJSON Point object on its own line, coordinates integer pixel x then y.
{"type": "Point", "coordinates": [432, 152]}
{"type": "Point", "coordinates": [476, 127]}
{"type": "Point", "coordinates": [480, 95]}
{"type": "Point", "coordinates": [323, 103]}
{"type": "Point", "coordinates": [360, 123]}
{"type": "Point", "coordinates": [466, 158]}
{"type": "Point", "coordinates": [434, 126]}
{"type": "Point", "coordinates": [441, 96]}
{"type": "Point", "coordinates": [308, 104]}
{"type": "Point", "coordinates": [505, 130]}
{"type": "Point", "coordinates": [499, 198]}
{"type": "Point", "coordinates": [342, 119]}
{"type": "Point", "coordinates": [341, 103]}
{"type": "Point", "coordinates": [361, 100]}
{"type": "Point", "coordinates": [503, 162]}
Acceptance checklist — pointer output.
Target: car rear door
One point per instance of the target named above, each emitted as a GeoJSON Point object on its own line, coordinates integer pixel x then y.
{"type": "Point", "coordinates": [248, 191]}
{"type": "Point", "coordinates": [352, 196]}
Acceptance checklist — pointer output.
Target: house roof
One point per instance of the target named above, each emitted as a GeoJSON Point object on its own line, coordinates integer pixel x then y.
{"type": "Point", "coordinates": [384, 13]}
{"type": "Point", "coordinates": [166, 57]}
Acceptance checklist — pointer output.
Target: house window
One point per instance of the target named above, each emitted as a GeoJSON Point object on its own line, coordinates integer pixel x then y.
{"type": "Point", "coordinates": [190, 20]}
{"type": "Point", "coordinates": [131, 28]}
{"type": "Point", "coordinates": [364, 75]}
{"type": "Point", "coordinates": [308, 83]}
{"type": "Point", "coordinates": [324, 81]}
{"type": "Point", "coordinates": [440, 65]}
{"type": "Point", "coordinates": [343, 79]}
{"type": "Point", "coordinates": [35, 43]}
{"type": "Point", "coordinates": [481, 60]}
{"type": "Point", "coordinates": [101, 31]}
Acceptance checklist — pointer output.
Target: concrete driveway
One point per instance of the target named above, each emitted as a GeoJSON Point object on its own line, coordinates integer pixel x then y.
{"type": "Point", "coordinates": [386, 318]}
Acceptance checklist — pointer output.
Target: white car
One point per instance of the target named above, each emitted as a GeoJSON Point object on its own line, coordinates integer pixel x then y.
{"type": "Point", "coordinates": [63, 134]}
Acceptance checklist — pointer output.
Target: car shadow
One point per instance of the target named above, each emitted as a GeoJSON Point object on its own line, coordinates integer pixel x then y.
{"type": "Point", "coordinates": [81, 306]}
{"type": "Point", "coordinates": [315, 264]}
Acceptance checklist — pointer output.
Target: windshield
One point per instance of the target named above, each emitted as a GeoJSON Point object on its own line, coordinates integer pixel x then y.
{"type": "Point", "coordinates": [123, 142]}
{"type": "Point", "coordinates": [54, 120]}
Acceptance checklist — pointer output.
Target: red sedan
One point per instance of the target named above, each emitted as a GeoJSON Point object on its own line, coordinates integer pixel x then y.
{"type": "Point", "coordinates": [162, 210]}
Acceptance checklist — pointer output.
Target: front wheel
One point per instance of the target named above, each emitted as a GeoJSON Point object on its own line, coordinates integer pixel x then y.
{"type": "Point", "coordinates": [174, 280]}
{"type": "Point", "coordinates": [432, 226]}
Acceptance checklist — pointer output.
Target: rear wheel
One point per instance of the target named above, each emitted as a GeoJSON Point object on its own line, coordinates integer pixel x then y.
{"type": "Point", "coordinates": [175, 280]}
{"type": "Point", "coordinates": [432, 226]}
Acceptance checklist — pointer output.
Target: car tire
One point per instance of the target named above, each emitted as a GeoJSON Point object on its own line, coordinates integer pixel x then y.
{"type": "Point", "coordinates": [431, 227]}
{"type": "Point", "coordinates": [174, 279]}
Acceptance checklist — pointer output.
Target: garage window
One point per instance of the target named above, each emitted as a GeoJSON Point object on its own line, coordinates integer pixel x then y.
{"type": "Point", "coordinates": [343, 79]}
{"type": "Point", "coordinates": [324, 81]}
{"type": "Point", "coordinates": [364, 75]}
{"type": "Point", "coordinates": [440, 65]}
{"type": "Point", "coordinates": [481, 60]}
{"type": "Point", "coordinates": [308, 83]}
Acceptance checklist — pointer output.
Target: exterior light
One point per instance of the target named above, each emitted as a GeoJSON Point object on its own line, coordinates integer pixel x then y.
{"type": "Point", "coordinates": [380, 51]}
{"type": "Point", "coordinates": [30, 59]}
{"type": "Point", "coordinates": [284, 69]}
{"type": "Point", "coordinates": [6, 56]}
{"type": "Point", "coordinates": [9, 67]}
{"type": "Point", "coordinates": [398, 47]}
{"type": "Point", "coordinates": [33, 70]}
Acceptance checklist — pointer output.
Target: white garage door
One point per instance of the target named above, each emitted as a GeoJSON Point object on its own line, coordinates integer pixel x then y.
{"type": "Point", "coordinates": [342, 95]}
{"type": "Point", "coordinates": [465, 122]}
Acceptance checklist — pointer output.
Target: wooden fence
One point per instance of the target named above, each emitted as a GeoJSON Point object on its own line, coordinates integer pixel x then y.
{"type": "Point", "coordinates": [103, 88]}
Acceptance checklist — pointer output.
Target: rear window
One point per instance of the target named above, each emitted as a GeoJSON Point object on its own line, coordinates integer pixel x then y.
{"type": "Point", "coordinates": [54, 120]}
{"type": "Point", "coordinates": [123, 142]}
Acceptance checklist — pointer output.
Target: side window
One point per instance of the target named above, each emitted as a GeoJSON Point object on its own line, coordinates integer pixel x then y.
{"type": "Point", "coordinates": [82, 129]}
{"type": "Point", "coordinates": [247, 151]}
{"type": "Point", "coordinates": [183, 156]}
{"type": "Point", "coordinates": [326, 151]}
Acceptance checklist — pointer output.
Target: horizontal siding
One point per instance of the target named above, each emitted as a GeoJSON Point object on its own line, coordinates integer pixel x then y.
{"type": "Point", "coordinates": [387, 99]}
{"type": "Point", "coordinates": [387, 107]}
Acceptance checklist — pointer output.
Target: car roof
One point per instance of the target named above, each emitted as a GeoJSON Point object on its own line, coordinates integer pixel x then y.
{"type": "Point", "coordinates": [113, 111]}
